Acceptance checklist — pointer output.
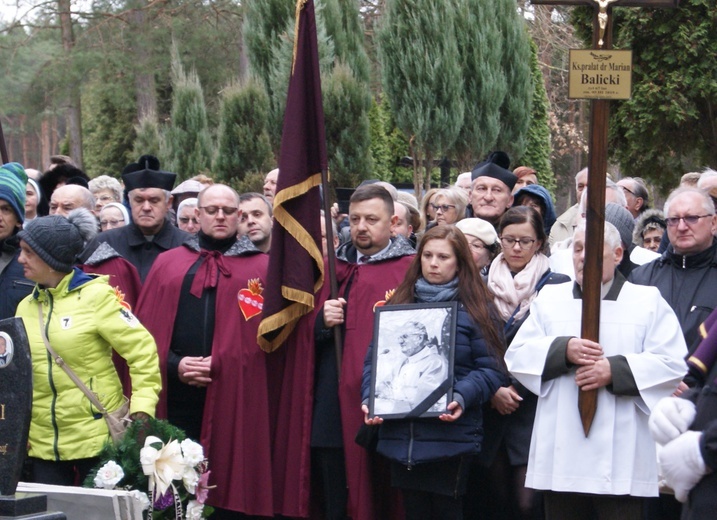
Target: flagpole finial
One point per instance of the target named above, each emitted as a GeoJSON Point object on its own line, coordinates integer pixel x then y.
{"type": "Point", "coordinates": [299, 6]}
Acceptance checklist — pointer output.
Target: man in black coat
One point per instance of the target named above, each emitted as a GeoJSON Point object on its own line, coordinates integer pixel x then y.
{"type": "Point", "coordinates": [150, 233]}
{"type": "Point", "coordinates": [686, 274]}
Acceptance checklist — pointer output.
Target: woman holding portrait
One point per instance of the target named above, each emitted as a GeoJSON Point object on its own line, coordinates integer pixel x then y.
{"type": "Point", "coordinates": [430, 457]}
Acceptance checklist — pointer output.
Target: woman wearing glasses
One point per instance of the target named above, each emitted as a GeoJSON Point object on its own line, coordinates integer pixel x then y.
{"type": "Point", "coordinates": [449, 205]}
{"type": "Point", "coordinates": [430, 457]}
{"type": "Point", "coordinates": [515, 278]}
{"type": "Point", "coordinates": [113, 215]}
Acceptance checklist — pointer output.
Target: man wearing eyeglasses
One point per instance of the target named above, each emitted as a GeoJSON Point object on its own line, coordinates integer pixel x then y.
{"type": "Point", "coordinates": [202, 303]}
{"type": "Point", "coordinates": [150, 232]}
{"type": "Point", "coordinates": [686, 274]}
{"type": "Point", "coordinates": [638, 199]}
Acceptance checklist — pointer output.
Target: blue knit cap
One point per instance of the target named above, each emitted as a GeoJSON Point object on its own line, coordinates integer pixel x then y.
{"type": "Point", "coordinates": [13, 181]}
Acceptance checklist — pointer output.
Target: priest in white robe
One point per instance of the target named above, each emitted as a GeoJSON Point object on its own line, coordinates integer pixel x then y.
{"type": "Point", "coordinates": [638, 360]}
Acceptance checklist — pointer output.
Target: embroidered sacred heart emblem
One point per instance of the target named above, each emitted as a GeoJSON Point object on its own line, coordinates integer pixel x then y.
{"type": "Point", "coordinates": [389, 294]}
{"type": "Point", "coordinates": [250, 300]}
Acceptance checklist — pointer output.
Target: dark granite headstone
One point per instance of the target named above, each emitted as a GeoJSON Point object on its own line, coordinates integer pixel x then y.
{"type": "Point", "coordinates": [15, 409]}
{"type": "Point", "coordinates": [15, 402]}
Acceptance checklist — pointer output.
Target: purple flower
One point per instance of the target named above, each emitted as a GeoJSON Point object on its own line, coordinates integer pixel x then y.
{"type": "Point", "coordinates": [203, 488]}
{"type": "Point", "coordinates": [164, 501]}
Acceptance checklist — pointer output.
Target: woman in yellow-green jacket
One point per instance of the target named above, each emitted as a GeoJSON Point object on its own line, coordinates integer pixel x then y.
{"type": "Point", "coordinates": [84, 319]}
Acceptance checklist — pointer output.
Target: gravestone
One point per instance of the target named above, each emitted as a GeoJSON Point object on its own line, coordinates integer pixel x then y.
{"type": "Point", "coordinates": [15, 409]}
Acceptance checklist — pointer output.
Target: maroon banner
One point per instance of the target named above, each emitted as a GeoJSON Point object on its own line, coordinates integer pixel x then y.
{"type": "Point", "coordinates": [296, 268]}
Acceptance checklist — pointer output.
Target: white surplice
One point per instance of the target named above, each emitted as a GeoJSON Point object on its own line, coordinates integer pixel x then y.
{"type": "Point", "coordinates": [618, 457]}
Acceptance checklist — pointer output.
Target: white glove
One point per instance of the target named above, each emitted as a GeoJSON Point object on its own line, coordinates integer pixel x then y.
{"type": "Point", "coordinates": [681, 464]}
{"type": "Point", "coordinates": [670, 418]}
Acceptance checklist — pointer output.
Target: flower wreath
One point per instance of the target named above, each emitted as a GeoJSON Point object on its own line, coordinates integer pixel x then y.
{"type": "Point", "coordinates": [164, 470]}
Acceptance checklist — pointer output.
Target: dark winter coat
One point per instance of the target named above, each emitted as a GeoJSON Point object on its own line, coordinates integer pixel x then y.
{"type": "Point", "coordinates": [13, 284]}
{"type": "Point", "coordinates": [702, 502]}
{"type": "Point", "coordinates": [689, 285]}
{"type": "Point", "coordinates": [477, 375]}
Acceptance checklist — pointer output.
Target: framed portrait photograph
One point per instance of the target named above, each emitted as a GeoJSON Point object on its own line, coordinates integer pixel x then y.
{"type": "Point", "coordinates": [412, 363]}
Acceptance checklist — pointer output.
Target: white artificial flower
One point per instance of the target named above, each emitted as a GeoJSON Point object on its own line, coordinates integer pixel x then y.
{"type": "Point", "coordinates": [109, 475]}
{"type": "Point", "coordinates": [161, 466]}
{"type": "Point", "coordinates": [192, 451]}
{"type": "Point", "coordinates": [194, 510]}
{"type": "Point", "coordinates": [140, 497]}
{"type": "Point", "coordinates": [190, 479]}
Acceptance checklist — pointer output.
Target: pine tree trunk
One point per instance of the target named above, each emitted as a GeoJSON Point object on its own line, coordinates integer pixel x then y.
{"type": "Point", "coordinates": [145, 87]}
{"type": "Point", "coordinates": [74, 114]}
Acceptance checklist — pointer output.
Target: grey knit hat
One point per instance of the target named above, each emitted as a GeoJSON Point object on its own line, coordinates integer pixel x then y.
{"type": "Point", "coordinates": [58, 240]}
{"type": "Point", "coordinates": [622, 220]}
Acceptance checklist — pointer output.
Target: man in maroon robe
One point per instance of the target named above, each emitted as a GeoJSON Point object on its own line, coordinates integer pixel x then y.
{"type": "Point", "coordinates": [369, 268]}
{"type": "Point", "coordinates": [202, 303]}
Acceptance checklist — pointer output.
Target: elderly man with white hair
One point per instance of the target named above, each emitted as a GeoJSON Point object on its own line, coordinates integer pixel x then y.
{"type": "Point", "coordinates": [150, 233]}
{"type": "Point", "coordinates": [638, 360]}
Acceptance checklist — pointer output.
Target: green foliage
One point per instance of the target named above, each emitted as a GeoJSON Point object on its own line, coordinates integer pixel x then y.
{"type": "Point", "coordinates": [148, 137]}
{"type": "Point", "coordinates": [188, 144]}
{"type": "Point", "coordinates": [243, 140]}
{"type": "Point", "coordinates": [379, 147]}
{"type": "Point", "coordinates": [346, 103]}
{"type": "Point", "coordinates": [484, 83]}
{"type": "Point", "coordinates": [516, 109]}
{"type": "Point", "coordinates": [388, 145]}
{"type": "Point", "coordinates": [669, 126]}
{"type": "Point", "coordinates": [537, 153]}
{"type": "Point", "coordinates": [266, 23]}
{"type": "Point", "coordinates": [253, 182]}
{"type": "Point", "coordinates": [343, 26]}
{"type": "Point", "coordinates": [422, 74]}
{"type": "Point", "coordinates": [281, 71]}
{"type": "Point", "coordinates": [126, 452]}
{"type": "Point", "coordinates": [108, 122]}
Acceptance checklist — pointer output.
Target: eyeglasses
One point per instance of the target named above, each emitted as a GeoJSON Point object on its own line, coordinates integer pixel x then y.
{"type": "Point", "coordinates": [409, 334]}
{"type": "Point", "coordinates": [185, 220]}
{"type": "Point", "coordinates": [623, 188]}
{"type": "Point", "coordinates": [213, 210]}
{"type": "Point", "coordinates": [525, 242]}
{"type": "Point", "coordinates": [443, 207]}
{"type": "Point", "coordinates": [690, 220]}
{"type": "Point", "coordinates": [105, 223]}
{"type": "Point", "coordinates": [106, 198]}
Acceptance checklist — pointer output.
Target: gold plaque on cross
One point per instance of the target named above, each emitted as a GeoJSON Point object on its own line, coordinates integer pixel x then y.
{"type": "Point", "coordinates": [600, 74]}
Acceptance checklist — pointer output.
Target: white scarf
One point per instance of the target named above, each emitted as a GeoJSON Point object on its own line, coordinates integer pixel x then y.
{"type": "Point", "coordinates": [515, 291]}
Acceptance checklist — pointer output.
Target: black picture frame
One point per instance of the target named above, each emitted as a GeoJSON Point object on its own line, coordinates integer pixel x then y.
{"type": "Point", "coordinates": [405, 382]}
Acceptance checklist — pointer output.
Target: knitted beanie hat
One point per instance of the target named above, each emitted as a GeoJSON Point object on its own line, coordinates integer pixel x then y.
{"type": "Point", "coordinates": [58, 240]}
{"type": "Point", "coordinates": [622, 219]}
{"type": "Point", "coordinates": [13, 180]}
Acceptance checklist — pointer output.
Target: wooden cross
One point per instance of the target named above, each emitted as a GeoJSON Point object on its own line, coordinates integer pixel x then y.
{"type": "Point", "coordinates": [597, 169]}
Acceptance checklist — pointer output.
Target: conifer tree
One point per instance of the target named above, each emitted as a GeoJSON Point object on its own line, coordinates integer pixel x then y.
{"type": "Point", "coordinates": [148, 137]}
{"type": "Point", "coordinates": [243, 144]}
{"type": "Point", "coordinates": [422, 77]}
{"type": "Point", "coordinates": [108, 122]}
{"type": "Point", "coordinates": [484, 82]}
{"type": "Point", "coordinates": [347, 126]}
{"type": "Point", "coordinates": [537, 152]}
{"type": "Point", "coordinates": [516, 109]}
{"type": "Point", "coordinates": [188, 146]}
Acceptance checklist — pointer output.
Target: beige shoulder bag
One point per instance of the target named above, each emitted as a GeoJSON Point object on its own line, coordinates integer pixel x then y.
{"type": "Point", "coordinates": [118, 420]}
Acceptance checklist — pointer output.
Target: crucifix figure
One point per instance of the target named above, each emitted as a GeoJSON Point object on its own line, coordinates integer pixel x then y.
{"type": "Point", "coordinates": [597, 169]}
{"type": "Point", "coordinates": [603, 18]}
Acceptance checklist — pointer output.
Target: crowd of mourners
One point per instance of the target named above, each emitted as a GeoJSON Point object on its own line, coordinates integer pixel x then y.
{"type": "Point", "coordinates": [154, 292]}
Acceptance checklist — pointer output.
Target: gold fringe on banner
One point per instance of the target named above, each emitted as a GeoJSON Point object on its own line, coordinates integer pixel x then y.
{"type": "Point", "coordinates": [299, 6]}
